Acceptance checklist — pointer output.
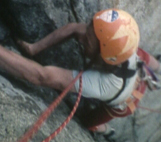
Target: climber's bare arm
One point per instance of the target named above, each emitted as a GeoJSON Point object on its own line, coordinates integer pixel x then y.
{"type": "Point", "coordinates": [68, 31]}
{"type": "Point", "coordinates": [49, 76]}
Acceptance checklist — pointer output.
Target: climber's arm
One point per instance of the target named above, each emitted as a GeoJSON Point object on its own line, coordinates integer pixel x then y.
{"type": "Point", "coordinates": [49, 76]}
{"type": "Point", "coordinates": [57, 36]}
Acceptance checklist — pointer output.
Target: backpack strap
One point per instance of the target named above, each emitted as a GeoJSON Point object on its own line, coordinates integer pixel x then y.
{"type": "Point", "coordinates": [124, 73]}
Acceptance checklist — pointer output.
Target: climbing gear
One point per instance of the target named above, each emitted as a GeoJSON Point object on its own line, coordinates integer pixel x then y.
{"type": "Point", "coordinates": [118, 34]}
{"type": "Point", "coordinates": [125, 73]}
{"type": "Point", "coordinates": [28, 135]}
{"type": "Point", "coordinates": [152, 82]}
{"type": "Point", "coordinates": [150, 78]}
{"type": "Point", "coordinates": [130, 102]}
{"type": "Point", "coordinates": [146, 75]}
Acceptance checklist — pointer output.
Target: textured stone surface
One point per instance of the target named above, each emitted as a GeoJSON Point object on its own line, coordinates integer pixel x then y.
{"type": "Point", "coordinates": [19, 110]}
{"type": "Point", "coordinates": [26, 18]}
{"type": "Point", "coordinates": [21, 103]}
{"type": "Point", "coordinates": [4, 31]}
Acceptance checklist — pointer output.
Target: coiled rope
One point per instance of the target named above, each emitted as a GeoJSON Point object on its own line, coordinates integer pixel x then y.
{"type": "Point", "coordinates": [29, 134]}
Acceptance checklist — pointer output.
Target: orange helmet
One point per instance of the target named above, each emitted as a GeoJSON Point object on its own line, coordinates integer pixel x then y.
{"type": "Point", "coordinates": [118, 34]}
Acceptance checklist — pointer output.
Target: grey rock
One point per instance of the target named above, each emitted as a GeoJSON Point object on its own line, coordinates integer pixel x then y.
{"type": "Point", "coordinates": [19, 111]}
{"type": "Point", "coordinates": [4, 32]}
{"type": "Point", "coordinates": [26, 19]}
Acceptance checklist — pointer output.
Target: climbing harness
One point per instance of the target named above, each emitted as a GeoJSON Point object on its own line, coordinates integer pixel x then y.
{"type": "Point", "coordinates": [147, 76]}
{"type": "Point", "coordinates": [125, 73]}
{"type": "Point", "coordinates": [29, 134]}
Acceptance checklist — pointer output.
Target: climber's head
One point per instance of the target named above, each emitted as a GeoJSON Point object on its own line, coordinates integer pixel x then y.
{"type": "Point", "coordinates": [117, 33]}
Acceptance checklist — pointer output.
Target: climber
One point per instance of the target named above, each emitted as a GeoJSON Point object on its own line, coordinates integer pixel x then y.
{"type": "Point", "coordinates": [111, 40]}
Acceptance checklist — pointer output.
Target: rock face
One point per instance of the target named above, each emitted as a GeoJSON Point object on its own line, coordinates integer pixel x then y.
{"type": "Point", "coordinates": [20, 110]}
{"type": "Point", "coordinates": [21, 103]}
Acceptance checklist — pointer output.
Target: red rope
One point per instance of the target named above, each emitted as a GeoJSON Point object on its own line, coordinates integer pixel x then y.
{"type": "Point", "coordinates": [48, 139]}
{"type": "Point", "coordinates": [29, 134]}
